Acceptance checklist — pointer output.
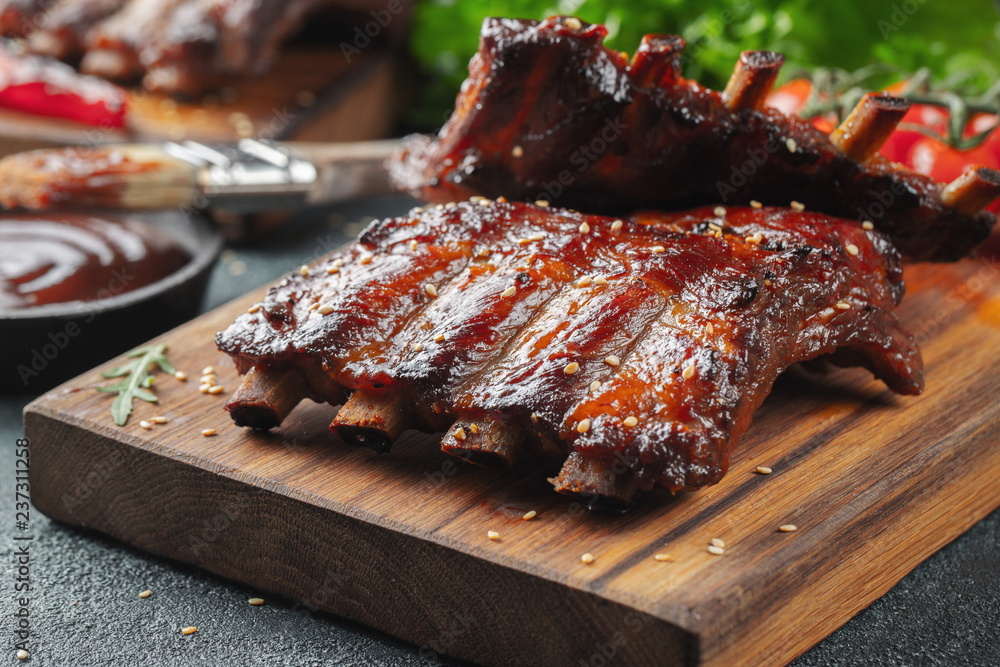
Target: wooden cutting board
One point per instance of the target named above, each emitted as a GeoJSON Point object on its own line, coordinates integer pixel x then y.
{"type": "Point", "coordinates": [875, 484]}
{"type": "Point", "coordinates": [311, 94]}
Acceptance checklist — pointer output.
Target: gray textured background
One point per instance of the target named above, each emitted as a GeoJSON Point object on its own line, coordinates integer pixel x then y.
{"type": "Point", "coordinates": [85, 610]}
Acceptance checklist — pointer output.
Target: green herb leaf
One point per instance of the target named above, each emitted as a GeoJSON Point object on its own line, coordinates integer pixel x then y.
{"type": "Point", "coordinates": [138, 377]}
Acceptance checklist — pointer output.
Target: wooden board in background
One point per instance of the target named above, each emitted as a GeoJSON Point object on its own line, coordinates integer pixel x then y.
{"type": "Point", "coordinates": [310, 94]}
{"type": "Point", "coordinates": [875, 483]}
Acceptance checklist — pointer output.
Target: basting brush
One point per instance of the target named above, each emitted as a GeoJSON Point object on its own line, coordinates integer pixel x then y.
{"type": "Point", "coordinates": [245, 177]}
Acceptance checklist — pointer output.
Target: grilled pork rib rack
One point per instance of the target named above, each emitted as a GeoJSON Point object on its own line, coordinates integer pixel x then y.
{"type": "Point", "coordinates": [549, 113]}
{"type": "Point", "coordinates": [176, 46]}
{"type": "Point", "coordinates": [635, 352]}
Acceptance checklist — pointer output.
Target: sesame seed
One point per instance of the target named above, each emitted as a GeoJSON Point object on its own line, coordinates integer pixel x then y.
{"type": "Point", "coordinates": [216, 389]}
{"type": "Point", "coordinates": [510, 291]}
{"type": "Point", "coordinates": [868, 224]}
{"type": "Point", "coordinates": [851, 249]}
{"type": "Point", "coordinates": [595, 385]}
{"type": "Point", "coordinates": [584, 228]}
{"type": "Point", "coordinates": [612, 360]}
{"type": "Point", "coordinates": [145, 594]}
{"type": "Point", "coordinates": [22, 654]}
{"type": "Point", "coordinates": [474, 428]}
{"type": "Point", "coordinates": [573, 23]}
{"type": "Point", "coordinates": [688, 372]}
{"type": "Point", "coordinates": [714, 227]}
{"type": "Point", "coordinates": [325, 309]}
{"type": "Point", "coordinates": [657, 248]}
{"type": "Point", "coordinates": [584, 282]}
{"type": "Point", "coordinates": [460, 433]}
{"type": "Point", "coordinates": [716, 542]}
{"type": "Point", "coordinates": [541, 202]}
{"type": "Point", "coordinates": [159, 420]}
{"type": "Point", "coordinates": [417, 210]}
{"type": "Point", "coordinates": [439, 338]}
{"type": "Point", "coordinates": [181, 375]}
{"type": "Point", "coordinates": [208, 370]}
{"type": "Point", "coordinates": [413, 244]}
{"type": "Point", "coordinates": [366, 258]}
{"type": "Point", "coordinates": [630, 421]}
{"type": "Point", "coordinates": [763, 470]}
{"type": "Point", "coordinates": [315, 306]}
{"type": "Point", "coordinates": [254, 308]}
{"type": "Point", "coordinates": [616, 225]}
{"type": "Point", "coordinates": [203, 389]}
{"type": "Point", "coordinates": [256, 601]}
{"type": "Point", "coordinates": [417, 347]}
{"type": "Point", "coordinates": [571, 368]}
{"type": "Point", "coordinates": [431, 290]}
{"type": "Point", "coordinates": [755, 204]}
{"type": "Point", "coordinates": [337, 263]}
{"type": "Point", "coordinates": [798, 206]}
{"type": "Point", "coordinates": [791, 145]}
{"type": "Point", "coordinates": [190, 630]}
{"type": "Point", "coordinates": [451, 204]}
{"type": "Point", "coordinates": [583, 426]}
{"type": "Point", "coordinates": [843, 305]}
{"type": "Point", "coordinates": [528, 516]}
{"type": "Point", "coordinates": [767, 282]}
{"type": "Point", "coordinates": [330, 270]}
{"type": "Point", "coordinates": [439, 207]}
{"type": "Point", "coordinates": [717, 551]}
{"type": "Point", "coordinates": [493, 535]}
{"type": "Point", "coordinates": [661, 557]}
{"type": "Point", "coordinates": [709, 329]}
{"type": "Point", "coordinates": [145, 424]}
{"type": "Point", "coordinates": [756, 238]}
{"type": "Point", "coordinates": [601, 280]}
{"type": "Point", "coordinates": [720, 211]}
{"type": "Point", "coordinates": [788, 528]}
{"type": "Point", "coordinates": [208, 432]}
{"type": "Point", "coordinates": [517, 151]}
{"type": "Point", "coordinates": [478, 198]}
{"type": "Point", "coordinates": [304, 270]}
{"type": "Point", "coordinates": [587, 558]}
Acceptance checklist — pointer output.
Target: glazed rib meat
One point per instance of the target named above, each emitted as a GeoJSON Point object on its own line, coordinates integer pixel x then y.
{"type": "Point", "coordinates": [549, 113]}
{"type": "Point", "coordinates": [639, 346]}
{"type": "Point", "coordinates": [176, 46]}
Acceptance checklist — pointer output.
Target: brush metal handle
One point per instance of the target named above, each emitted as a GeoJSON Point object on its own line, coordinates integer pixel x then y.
{"type": "Point", "coordinates": [255, 175]}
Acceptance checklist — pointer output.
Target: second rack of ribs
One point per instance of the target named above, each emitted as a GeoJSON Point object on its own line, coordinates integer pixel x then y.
{"type": "Point", "coordinates": [526, 330]}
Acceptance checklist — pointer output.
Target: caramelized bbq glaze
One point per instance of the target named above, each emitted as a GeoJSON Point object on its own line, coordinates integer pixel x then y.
{"type": "Point", "coordinates": [475, 315]}
{"type": "Point", "coordinates": [548, 112]}
{"type": "Point", "coordinates": [46, 259]}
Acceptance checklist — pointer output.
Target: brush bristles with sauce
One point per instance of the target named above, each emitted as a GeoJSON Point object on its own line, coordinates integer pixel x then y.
{"type": "Point", "coordinates": [127, 176]}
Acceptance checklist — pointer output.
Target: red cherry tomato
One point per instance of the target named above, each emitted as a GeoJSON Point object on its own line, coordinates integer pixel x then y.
{"type": "Point", "coordinates": [791, 98]}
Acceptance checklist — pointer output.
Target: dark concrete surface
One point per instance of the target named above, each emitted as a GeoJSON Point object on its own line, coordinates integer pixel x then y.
{"type": "Point", "coordinates": [84, 608]}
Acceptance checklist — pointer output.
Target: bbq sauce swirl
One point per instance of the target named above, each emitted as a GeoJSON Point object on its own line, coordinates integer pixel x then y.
{"type": "Point", "coordinates": [64, 258]}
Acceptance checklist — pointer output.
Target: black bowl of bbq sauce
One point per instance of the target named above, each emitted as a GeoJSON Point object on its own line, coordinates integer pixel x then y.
{"type": "Point", "coordinates": [79, 288]}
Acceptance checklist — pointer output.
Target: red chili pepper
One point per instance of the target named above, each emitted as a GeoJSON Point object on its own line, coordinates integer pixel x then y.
{"type": "Point", "coordinates": [50, 88]}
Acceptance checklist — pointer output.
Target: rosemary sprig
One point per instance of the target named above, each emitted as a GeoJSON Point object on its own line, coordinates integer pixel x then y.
{"type": "Point", "coordinates": [136, 379]}
{"type": "Point", "coordinates": [838, 91]}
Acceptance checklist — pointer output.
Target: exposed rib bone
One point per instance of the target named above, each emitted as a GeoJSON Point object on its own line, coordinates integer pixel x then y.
{"type": "Point", "coordinates": [752, 79]}
{"type": "Point", "coordinates": [373, 418]}
{"type": "Point", "coordinates": [266, 396]}
{"type": "Point", "coordinates": [596, 481]}
{"type": "Point", "coordinates": [973, 190]}
{"type": "Point", "coordinates": [657, 62]}
{"type": "Point", "coordinates": [868, 126]}
{"type": "Point", "coordinates": [486, 441]}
